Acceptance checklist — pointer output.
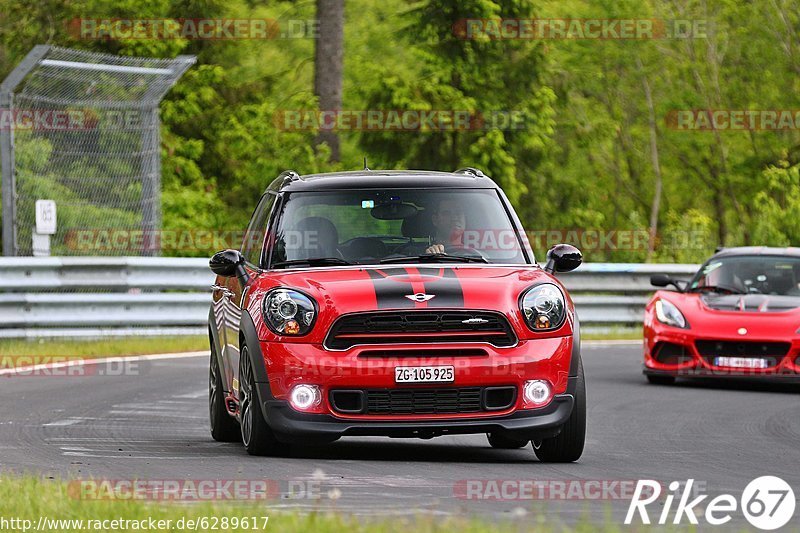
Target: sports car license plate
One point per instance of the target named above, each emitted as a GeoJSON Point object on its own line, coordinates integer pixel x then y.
{"type": "Point", "coordinates": [423, 374]}
{"type": "Point", "coordinates": [741, 362]}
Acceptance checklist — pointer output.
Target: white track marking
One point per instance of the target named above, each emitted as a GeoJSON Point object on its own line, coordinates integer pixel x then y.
{"type": "Point", "coordinates": [100, 361]}
{"type": "Point", "coordinates": [67, 422]}
{"type": "Point", "coordinates": [193, 395]}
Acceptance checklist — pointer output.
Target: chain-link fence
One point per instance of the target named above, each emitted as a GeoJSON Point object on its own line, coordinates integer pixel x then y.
{"type": "Point", "coordinates": [83, 132]}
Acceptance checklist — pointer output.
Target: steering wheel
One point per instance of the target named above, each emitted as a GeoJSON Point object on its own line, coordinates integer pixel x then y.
{"type": "Point", "coordinates": [410, 248]}
{"type": "Point", "coordinates": [718, 288]}
{"type": "Point", "coordinates": [464, 251]}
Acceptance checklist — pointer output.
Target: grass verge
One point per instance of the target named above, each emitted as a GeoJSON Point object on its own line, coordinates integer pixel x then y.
{"type": "Point", "coordinates": [107, 347]}
{"type": "Point", "coordinates": [612, 334]}
{"type": "Point", "coordinates": [28, 502]}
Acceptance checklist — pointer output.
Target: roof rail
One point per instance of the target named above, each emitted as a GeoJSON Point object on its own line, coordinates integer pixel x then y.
{"type": "Point", "coordinates": [474, 172]}
{"type": "Point", "coordinates": [289, 175]}
{"type": "Point", "coordinates": [285, 177]}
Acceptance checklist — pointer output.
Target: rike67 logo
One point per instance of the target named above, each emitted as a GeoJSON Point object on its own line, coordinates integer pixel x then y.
{"type": "Point", "coordinates": [767, 502]}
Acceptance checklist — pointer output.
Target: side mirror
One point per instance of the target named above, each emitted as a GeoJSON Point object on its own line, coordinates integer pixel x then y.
{"type": "Point", "coordinates": [663, 280]}
{"type": "Point", "coordinates": [229, 263]}
{"type": "Point", "coordinates": [660, 280]}
{"type": "Point", "coordinates": [563, 258]}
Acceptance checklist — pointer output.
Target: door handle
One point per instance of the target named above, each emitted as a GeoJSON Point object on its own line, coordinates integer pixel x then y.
{"type": "Point", "coordinates": [226, 292]}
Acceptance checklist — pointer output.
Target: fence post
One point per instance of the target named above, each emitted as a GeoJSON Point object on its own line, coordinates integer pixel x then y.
{"type": "Point", "coordinates": [9, 186]}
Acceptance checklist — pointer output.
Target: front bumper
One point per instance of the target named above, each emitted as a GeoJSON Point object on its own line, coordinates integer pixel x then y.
{"type": "Point", "coordinates": [524, 424]}
{"type": "Point", "coordinates": [696, 365]}
{"type": "Point", "coordinates": [699, 371]}
{"type": "Point", "coordinates": [289, 364]}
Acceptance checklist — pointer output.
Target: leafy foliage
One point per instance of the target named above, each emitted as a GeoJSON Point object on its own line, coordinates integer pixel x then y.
{"type": "Point", "coordinates": [583, 159]}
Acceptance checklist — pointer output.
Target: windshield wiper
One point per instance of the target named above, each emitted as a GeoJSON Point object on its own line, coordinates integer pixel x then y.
{"type": "Point", "coordinates": [314, 261]}
{"type": "Point", "coordinates": [717, 288]}
{"type": "Point", "coordinates": [435, 258]}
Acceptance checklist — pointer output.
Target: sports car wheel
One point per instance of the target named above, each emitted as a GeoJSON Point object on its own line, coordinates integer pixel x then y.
{"type": "Point", "coordinates": [257, 437]}
{"type": "Point", "coordinates": [660, 380]}
{"type": "Point", "coordinates": [223, 426]}
{"type": "Point", "coordinates": [567, 446]}
{"type": "Point", "coordinates": [504, 443]}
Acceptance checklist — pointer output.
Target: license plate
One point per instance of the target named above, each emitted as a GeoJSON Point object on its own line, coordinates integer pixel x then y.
{"type": "Point", "coordinates": [741, 362]}
{"type": "Point", "coordinates": [423, 374]}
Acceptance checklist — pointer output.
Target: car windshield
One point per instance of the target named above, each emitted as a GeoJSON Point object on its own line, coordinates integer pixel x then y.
{"type": "Point", "coordinates": [371, 226]}
{"type": "Point", "coordinates": [750, 275]}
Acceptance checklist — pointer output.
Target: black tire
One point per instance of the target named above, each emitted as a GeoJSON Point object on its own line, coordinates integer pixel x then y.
{"type": "Point", "coordinates": [501, 442]}
{"type": "Point", "coordinates": [567, 446]}
{"type": "Point", "coordinates": [660, 380]}
{"type": "Point", "coordinates": [256, 435]}
{"type": "Point", "coordinates": [224, 427]}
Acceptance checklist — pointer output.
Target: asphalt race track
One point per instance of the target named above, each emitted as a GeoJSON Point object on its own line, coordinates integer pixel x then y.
{"type": "Point", "coordinates": [151, 423]}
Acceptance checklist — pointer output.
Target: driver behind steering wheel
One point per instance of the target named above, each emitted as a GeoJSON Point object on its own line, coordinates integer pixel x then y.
{"type": "Point", "coordinates": [449, 222]}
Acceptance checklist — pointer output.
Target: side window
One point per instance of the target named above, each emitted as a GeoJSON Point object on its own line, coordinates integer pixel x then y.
{"type": "Point", "coordinates": [256, 230]}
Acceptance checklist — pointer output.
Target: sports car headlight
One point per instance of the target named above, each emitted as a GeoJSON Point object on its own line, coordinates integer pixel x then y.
{"type": "Point", "coordinates": [544, 307]}
{"type": "Point", "coordinates": [668, 314]}
{"type": "Point", "coordinates": [289, 312]}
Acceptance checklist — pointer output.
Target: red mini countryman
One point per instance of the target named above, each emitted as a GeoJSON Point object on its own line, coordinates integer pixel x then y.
{"type": "Point", "coordinates": [393, 303]}
{"type": "Point", "coordinates": [737, 317]}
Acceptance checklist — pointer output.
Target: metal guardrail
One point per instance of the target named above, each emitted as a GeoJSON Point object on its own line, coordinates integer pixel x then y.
{"type": "Point", "coordinates": [28, 274]}
{"type": "Point", "coordinates": [96, 296]}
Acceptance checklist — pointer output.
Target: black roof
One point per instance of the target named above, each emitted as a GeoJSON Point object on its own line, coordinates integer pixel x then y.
{"type": "Point", "coordinates": [290, 181]}
{"type": "Point", "coordinates": [757, 250]}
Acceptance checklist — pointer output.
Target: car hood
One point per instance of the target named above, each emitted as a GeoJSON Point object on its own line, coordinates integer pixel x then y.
{"type": "Point", "coordinates": [342, 290]}
{"type": "Point", "coordinates": [751, 303]}
{"type": "Point", "coordinates": [723, 317]}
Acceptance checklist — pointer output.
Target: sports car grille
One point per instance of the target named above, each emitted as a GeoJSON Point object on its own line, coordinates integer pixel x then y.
{"type": "Point", "coordinates": [773, 352]}
{"type": "Point", "coordinates": [671, 354]}
{"type": "Point", "coordinates": [420, 327]}
{"type": "Point", "coordinates": [742, 349]}
{"type": "Point", "coordinates": [423, 401]}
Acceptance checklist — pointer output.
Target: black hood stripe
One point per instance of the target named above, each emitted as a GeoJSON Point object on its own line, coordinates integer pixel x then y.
{"type": "Point", "coordinates": [389, 290]}
{"type": "Point", "coordinates": [392, 285]}
{"type": "Point", "coordinates": [446, 287]}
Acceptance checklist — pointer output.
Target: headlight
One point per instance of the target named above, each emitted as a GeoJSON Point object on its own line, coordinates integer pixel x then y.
{"type": "Point", "coordinates": [289, 312]}
{"type": "Point", "coordinates": [544, 307]}
{"type": "Point", "coordinates": [668, 314]}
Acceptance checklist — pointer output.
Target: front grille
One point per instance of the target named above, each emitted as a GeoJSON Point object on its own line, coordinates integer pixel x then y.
{"type": "Point", "coordinates": [773, 352]}
{"type": "Point", "coordinates": [671, 354]}
{"type": "Point", "coordinates": [428, 353]}
{"type": "Point", "coordinates": [394, 327]}
{"type": "Point", "coordinates": [742, 348]}
{"type": "Point", "coordinates": [423, 401]}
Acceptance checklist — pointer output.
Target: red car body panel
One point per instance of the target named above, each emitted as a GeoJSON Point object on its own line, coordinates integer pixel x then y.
{"type": "Point", "coordinates": [339, 291]}
{"type": "Point", "coordinates": [707, 324]}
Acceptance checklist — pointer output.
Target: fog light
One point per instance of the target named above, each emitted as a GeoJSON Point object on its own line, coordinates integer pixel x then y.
{"type": "Point", "coordinates": [537, 393]}
{"type": "Point", "coordinates": [304, 397]}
